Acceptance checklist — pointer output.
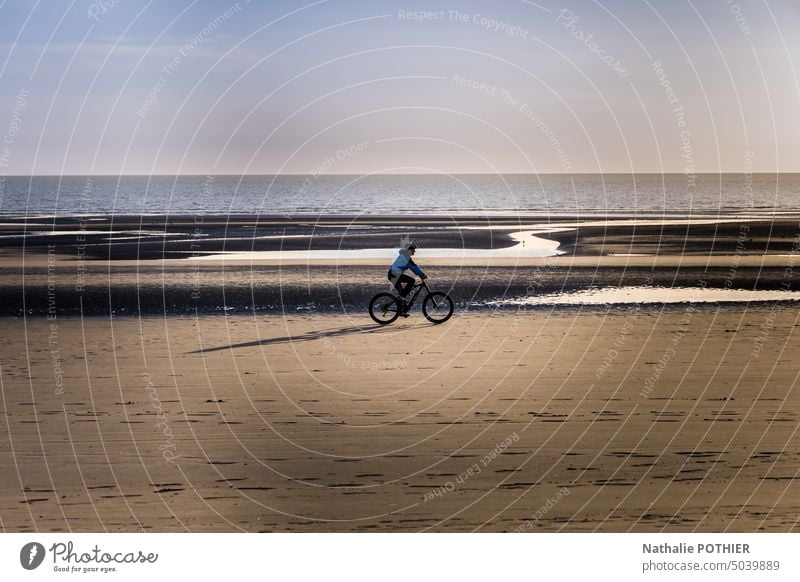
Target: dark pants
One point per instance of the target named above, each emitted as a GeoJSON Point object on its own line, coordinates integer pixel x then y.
{"type": "Point", "coordinates": [403, 283]}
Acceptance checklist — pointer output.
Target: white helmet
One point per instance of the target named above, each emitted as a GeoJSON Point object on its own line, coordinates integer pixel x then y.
{"type": "Point", "coordinates": [408, 244]}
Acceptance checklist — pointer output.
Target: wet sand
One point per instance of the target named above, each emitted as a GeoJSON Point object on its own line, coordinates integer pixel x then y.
{"type": "Point", "coordinates": [130, 288]}
{"type": "Point", "coordinates": [147, 237]}
{"type": "Point", "coordinates": [643, 420]}
{"type": "Point", "coordinates": [154, 265]}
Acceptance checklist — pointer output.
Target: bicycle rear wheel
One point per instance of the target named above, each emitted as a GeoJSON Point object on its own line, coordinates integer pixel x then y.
{"type": "Point", "coordinates": [438, 307]}
{"type": "Point", "coordinates": [384, 308]}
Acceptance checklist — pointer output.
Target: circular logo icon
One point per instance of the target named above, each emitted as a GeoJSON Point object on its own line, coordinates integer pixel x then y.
{"type": "Point", "coordinates": [31, 555]}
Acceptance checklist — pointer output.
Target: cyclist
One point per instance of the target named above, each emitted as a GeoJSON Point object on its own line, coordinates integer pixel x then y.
{"type": "Point", "coordinates": [402, 282]}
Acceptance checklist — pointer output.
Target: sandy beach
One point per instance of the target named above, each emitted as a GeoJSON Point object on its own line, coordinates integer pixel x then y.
{"type": "Point", "coordinates": [643, 420]}
{"type": "Point", "coordinates": [151, 384]}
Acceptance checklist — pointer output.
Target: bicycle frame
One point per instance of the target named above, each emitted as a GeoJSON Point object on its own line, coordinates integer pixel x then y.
{"type": "Point", "coordinates": [386, 307]}
{"type": "Point", "coordinates": [412, 297]}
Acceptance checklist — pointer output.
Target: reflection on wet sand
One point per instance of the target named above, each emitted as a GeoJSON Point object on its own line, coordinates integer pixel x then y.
{"type": "Point", "coordinates": [650, 295]}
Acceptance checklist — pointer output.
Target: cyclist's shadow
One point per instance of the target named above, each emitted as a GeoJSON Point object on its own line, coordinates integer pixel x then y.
{"type": "Point", "coordinates": [320, 334]}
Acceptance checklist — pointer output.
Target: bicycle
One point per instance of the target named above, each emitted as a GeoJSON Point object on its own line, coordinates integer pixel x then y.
{"type": "Point", "coordinates": [437, 306]}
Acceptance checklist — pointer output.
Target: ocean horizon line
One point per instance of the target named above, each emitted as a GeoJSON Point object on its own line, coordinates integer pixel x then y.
{"type": "Point", "coordinates": [333, 174]}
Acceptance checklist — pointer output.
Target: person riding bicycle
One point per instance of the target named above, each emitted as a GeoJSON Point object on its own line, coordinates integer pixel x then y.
{"type": "Point", "coordinates": [402, 282]}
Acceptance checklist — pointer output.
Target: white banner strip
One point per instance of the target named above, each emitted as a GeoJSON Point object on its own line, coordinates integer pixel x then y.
{"type": "Point", "coordinates": [401, 557]}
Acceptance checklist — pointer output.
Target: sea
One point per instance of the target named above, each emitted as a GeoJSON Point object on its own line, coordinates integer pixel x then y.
{"type": "Point", "coordinates": [382, 194]}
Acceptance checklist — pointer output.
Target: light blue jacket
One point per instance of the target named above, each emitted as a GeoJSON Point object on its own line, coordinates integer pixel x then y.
{"type": "Point", "coordinates": [404, 262]}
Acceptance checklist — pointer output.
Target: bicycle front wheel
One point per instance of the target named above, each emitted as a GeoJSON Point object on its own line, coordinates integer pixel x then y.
{"type": "Point", "coordinates": [438, 307]}
{"type": "Point", "coordinates": [384, 308]}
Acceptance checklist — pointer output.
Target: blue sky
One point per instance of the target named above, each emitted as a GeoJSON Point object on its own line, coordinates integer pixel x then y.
{"type": "Point", "coordinates": [350, 87]}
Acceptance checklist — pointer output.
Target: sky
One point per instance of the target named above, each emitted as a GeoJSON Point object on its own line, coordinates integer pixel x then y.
{"type": "Point", "coordinates": [340, 86]}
